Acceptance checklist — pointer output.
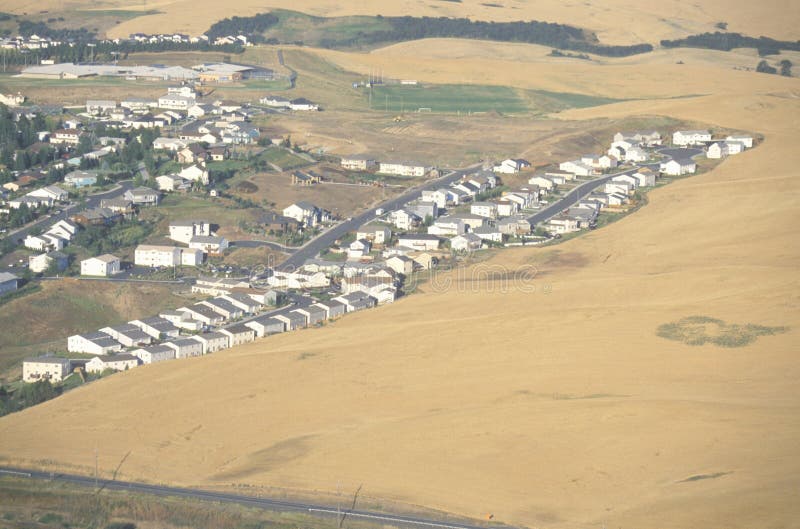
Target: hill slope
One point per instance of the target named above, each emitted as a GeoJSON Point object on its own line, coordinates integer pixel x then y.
{"type": "Point", "coordinates": [621, 22]}
{"type": "Point", "coordinates": [557, 407]}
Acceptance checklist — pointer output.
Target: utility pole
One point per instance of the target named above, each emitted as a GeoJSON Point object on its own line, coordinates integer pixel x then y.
{"type": "Point", "coordinates": [95, 467]}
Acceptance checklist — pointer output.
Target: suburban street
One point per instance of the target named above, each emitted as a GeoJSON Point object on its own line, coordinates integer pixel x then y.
{"type": "Point", "coordinates": [271, 504]}
{"type": "Point", "coordinates": [326, 239]}
{"type": "Point", "coordinates": [92, 201]}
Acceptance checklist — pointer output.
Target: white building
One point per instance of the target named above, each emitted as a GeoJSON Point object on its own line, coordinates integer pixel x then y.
{"type": "Point", "coordinates": [690, 137]}
{"type": "Point", "coordinates": [157, 256]}
{"type": "Point", "coordinates": [465, 242]}
{"type": "Point", "coordinates": [51, 368]}
{"type": "Point", "coordinates": [305, 212]}
{"type": "Point", "coordinates": [183, 231]}
{"type": "Point", "coordinates": [484, 209]}
{"type": "Point", "coordinates": [102, 265]}
{"type": "Point", "coordinates": [678, 167]}
{"type": "Point", "coordinates": [409, 169]}
{"type": "Point", "coordinates": [155, 353]}
{"type": "Point", "coordinates": [510, 166]}
{"type": "Point", "coordinates": [98, 343]}
{"type": "Point", "coordinates": [120, 362]}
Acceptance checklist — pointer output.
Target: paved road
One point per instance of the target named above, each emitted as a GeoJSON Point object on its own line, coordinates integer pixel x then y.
{"type": "Point", "coordinates": [326, 239]}
{"type": "Point", "coordinates": [586, 188]}
{"type": "Point", "coordinates": [92, 201]}
{"type": "Point", "coordinates": [271, 504]}
{"type": "Point", "coordinates": [256, 243]}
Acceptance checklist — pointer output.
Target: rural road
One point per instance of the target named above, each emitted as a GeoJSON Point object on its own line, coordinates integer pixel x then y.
{"type": "Point", "coordinates": [270, 504]}
{"type": "Point", "coordinates": [581, 191]}
{"type": "Point", "coordinates": [326, 239]}
{"type": "Point", "coordinates": [92, 201]}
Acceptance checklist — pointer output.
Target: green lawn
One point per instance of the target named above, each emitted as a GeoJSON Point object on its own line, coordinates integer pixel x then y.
{"type": "Point", "coordinates": [283, 158]}
{"type": "Point", "coordinates": [570, 100]}
{"type": "Point", "coordinates": [449, 99]}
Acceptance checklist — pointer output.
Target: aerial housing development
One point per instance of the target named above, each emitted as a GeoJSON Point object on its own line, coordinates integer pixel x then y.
{"type": "Point", "coordinates": [450, 265]}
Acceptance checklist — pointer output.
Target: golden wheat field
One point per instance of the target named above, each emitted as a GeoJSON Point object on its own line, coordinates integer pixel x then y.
{"type": "Point", "coordinates": [534, 386]}
{"type": "Point", "coordinates": [620, 22]}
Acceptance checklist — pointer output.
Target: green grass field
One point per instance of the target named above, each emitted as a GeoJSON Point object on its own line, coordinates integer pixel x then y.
{"type": "Point", "coordinates": [569, 100]}
{"type": "Point", "coordinates": [450, 99]}
{"type": "Point", "coordinates": [466, 99]}
{"type": "Point", "coordinates": [283, 158]}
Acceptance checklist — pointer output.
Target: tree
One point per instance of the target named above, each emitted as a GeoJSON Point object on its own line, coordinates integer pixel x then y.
{"type": "Point", "coordinates": [786, 67]}
{"type": "Point", "coordinates": [764, 67]}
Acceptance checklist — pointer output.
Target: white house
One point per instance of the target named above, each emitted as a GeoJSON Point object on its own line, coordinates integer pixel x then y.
{"type": "Point", "coordinates": [690, 137]}
{"type": "Point", "coordinates": [98, 343]}
{"type": "Point", "coordinates": [576, 167]}
{"type": "Point", "coordinates": [239, 334]}
{"type": "Point", "coordinates": [120, 362]}
{"type": "Point", "coordinates": [172, 182]}
{"type": "Point", "coordinates": [484, 209]}
{"type": "Point", "coordinates": [374, 233]}
{"type": "Point", "coordinates": [51, 368]}
{"type": "Point", "coordinates": [195, 174]}
{"type": "Point", "coordinates": [510, 166]}
{"type": "Point", "coordinates": [562, 224]}
{"type": "Point", "coordinates": [154, 353]}
{"type": "Point", "coordinates": [410, 169]}
{"type": "Point", "coordinates": [43, 243]}
{"type": "Point", "coordinates": [419, 241]}
{"type": "Point", "coordinates": [447, 226]}
{"type": "Point", "coordinates": [635, 154]}
{"type": "Point", "coordinates": [358, 249]}
{"type": "Point", "coordinates": [128, 335]}
{"type": "Point", "coordinates": [184, 230]}
{"type": "Point", "coordinates": [717, 150]}
{"type": "Point", "coordinates": [298, 280]}
{"type": "Point", "coordinates": [169, 144]}
{"type": "Point", "coordinates": [305, 212]}
{"type": "Point", "coordinates": [678, 167]}
{"type": "Point", "coordinates": [488, 233]}
{"type": "Point", "coordinates": [157, 256]}
{"type": "Point", "coordinates": [542, 181]}
{"type": "Point", "coordinates": [630, 180]}
{"type": "Point", "coordinates": [747, 141]}
{"type": "Point", "coordinates": [646, 177]}
{"type": "Point", "coordinates": [212, 341]}
{"type": "Point", "coordinates": [54, 193]}
{"type": "Point", "coordinates": [302, 104]}
{"type": "Point", "coordinates": [102, 265]}
{"type": "Point", "coordinates": [176, 102]}
{"type": "Point", "coordinates": [401, 264]}
{"type": "Point", "coordinates": [465, 242]}
{"type": "Point", "coordinates": [404, 220]}
{"type": "Point", "coordinates": [210, 244]}
{"type": "Point", "coordinates": [185, 347]}
{"type": "Point", "coordinates": [358, 163]}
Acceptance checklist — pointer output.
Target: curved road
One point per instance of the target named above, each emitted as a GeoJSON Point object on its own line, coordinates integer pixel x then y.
{"type": "Point", "coordinates": [271, 504]}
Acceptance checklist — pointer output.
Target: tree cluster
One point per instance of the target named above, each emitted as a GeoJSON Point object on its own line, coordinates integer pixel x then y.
{"type": "Point", "coordinates": [533, 32]}
{"type": "Point", "coordinates": [252, 27]}
{"type": "Point", "coordinates": [728, 41]}
{"type": "Point", "coordinates": [26, 396]}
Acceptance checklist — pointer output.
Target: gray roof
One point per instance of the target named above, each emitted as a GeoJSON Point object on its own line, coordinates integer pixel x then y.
{"type": "Point", "coordinates": [239, 328]}
{"type": "Point", "coordinates": [211, 336]}
{"type": "Point", "coordinates": [48, 360]}
{"type": "Point", "coordinates": [159, 323]}
{"type": "Point", "coordinates": [5, 276]}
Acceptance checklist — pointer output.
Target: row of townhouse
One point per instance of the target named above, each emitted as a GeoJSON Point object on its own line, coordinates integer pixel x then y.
{"type": "Point", "coordinates": [389, 167]}
{"type": "Point", "coordinates": [299, 104]}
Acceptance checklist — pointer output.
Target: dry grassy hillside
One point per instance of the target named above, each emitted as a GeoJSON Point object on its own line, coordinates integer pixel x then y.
{"type": "Point", "coordinates": [552, 406]}
{"type": "Point", "coordinates": [620, 22]}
